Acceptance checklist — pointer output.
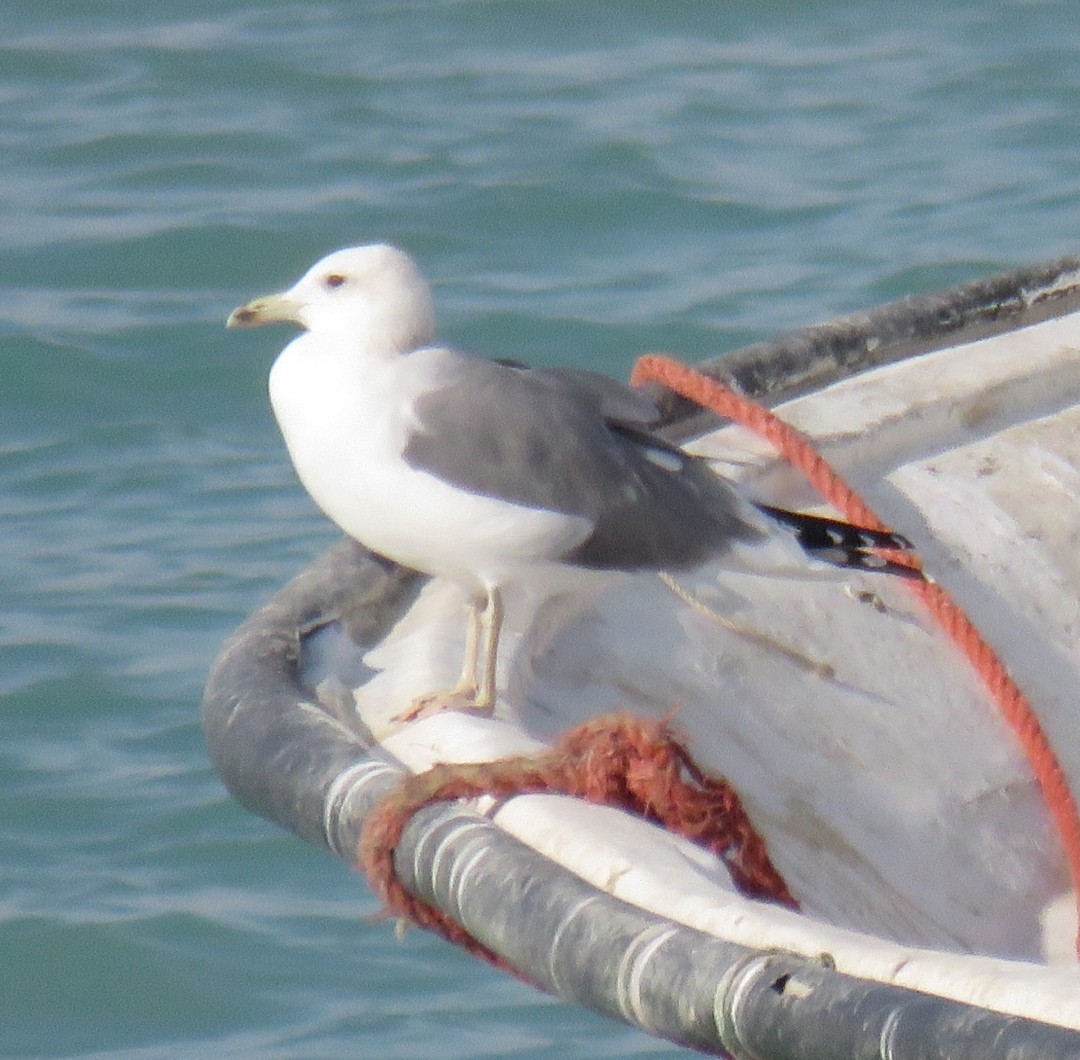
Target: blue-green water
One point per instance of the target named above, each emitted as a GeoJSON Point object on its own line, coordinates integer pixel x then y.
{"type": "Point", "coordinates": [583, 181]}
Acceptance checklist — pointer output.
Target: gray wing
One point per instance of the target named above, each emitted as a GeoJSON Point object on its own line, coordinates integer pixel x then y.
{"type": "Point", "coordinates": [573, 442]}
{"type": "Point", "coordinates": [616, 402]}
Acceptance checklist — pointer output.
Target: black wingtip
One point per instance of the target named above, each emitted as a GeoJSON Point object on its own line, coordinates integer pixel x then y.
{"type": "Point", "coordinates": [870, 562]}
{"type": "Point", "coordinates": [845, 545]}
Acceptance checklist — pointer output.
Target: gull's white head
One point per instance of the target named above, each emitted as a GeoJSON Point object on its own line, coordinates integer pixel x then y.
{"type": "Point", "coordinates": [373, 296]}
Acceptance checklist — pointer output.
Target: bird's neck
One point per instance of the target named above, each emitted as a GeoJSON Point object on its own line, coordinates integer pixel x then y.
{"type": "Point", "coordinates": [364, 347]}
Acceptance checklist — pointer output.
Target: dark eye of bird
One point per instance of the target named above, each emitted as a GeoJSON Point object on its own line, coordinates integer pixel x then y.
{"type": "Point", "coordinates": [334, 280]}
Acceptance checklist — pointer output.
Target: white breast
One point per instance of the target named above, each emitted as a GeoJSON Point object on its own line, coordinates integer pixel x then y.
{"type": "Point", "coordinates": [346, 420]}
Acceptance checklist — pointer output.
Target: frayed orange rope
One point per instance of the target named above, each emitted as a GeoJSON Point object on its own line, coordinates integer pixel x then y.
{"type": "Point", "coordinates": [615, 760]}
{"type": "Point", "coordinates": [800, 452]}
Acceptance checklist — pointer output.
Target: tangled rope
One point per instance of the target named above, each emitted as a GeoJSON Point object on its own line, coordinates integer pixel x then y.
{"type": "Point", "coordinates": [616, 760]}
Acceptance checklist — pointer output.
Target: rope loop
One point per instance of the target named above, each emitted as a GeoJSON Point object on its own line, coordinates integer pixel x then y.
{"type": "Point", "coordinates": [620, 760]}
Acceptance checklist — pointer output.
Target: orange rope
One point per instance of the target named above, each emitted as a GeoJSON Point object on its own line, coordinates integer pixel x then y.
{"type": "Point", "coordinates": [800, 452]}
{"type": "Point", "coordinates": [614, 760]}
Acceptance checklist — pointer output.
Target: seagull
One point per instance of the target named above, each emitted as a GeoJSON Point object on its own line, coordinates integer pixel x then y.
{"type": "Point", "coordinates": [488, 472]}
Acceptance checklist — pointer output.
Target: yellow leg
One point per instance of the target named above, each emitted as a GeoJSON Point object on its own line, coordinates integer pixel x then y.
{"type": "Point", "coordinates": [491, 619]}
{"type": "Point", "coordinates": [467, 686]}
{"type": "Point", "coordinates": [481, 661]}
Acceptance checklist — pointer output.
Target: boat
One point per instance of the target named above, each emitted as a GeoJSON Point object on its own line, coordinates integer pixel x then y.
{"type": "Point", "coordinates": [909, 776]}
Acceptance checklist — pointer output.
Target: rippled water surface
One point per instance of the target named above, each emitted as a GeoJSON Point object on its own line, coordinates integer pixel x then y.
{"type": "Point", "coordinates": [582, 181]}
